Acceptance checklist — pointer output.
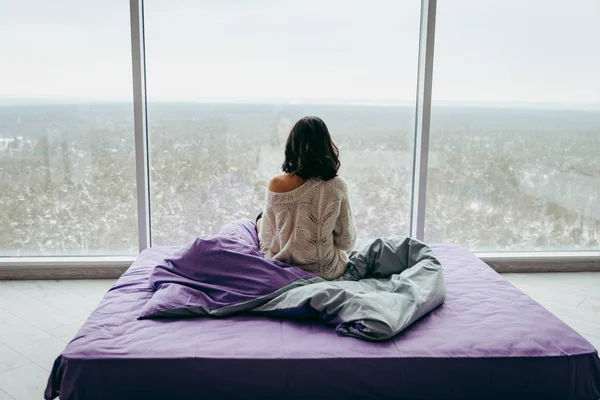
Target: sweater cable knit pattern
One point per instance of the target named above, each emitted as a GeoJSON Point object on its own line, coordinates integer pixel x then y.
{"type": "Point", "coordinates": [311, 227]}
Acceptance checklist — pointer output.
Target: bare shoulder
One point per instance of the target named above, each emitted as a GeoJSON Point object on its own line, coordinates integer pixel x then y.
{"type": "Point", "coordinates": [285, 183]}
{"type": "Point", "coordinates": [279, 184]}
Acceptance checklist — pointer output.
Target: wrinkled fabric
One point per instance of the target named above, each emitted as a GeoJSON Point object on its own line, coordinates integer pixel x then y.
{"type": "Point", "coordinates": [390, 283]}
{"type": "Point", "coordinates": [220, 276]}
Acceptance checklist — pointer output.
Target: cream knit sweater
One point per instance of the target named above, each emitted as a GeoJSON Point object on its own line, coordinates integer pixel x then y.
{"type": "Point", "coordinates": [310, 227]}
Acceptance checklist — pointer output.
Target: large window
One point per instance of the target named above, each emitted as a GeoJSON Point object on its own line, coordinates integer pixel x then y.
{"type": "Point", "coordinates": [514, 144]}
{"type": "Point", "coordinates": [515, 131]}
{"type": "Point", "coordinates": [67, 171]}
{"type": "Point", "coordinates": [226, 80]}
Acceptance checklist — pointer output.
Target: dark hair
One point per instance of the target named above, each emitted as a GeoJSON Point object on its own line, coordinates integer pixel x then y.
{"type": "Point", "coordinates": [310, 152]}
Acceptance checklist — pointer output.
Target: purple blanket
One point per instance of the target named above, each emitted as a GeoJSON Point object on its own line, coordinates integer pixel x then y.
{"type": "Point", "coordinates": [219, 276]}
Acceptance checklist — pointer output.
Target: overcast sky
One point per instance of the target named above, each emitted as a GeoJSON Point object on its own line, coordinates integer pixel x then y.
{"type": "Point", "coordinates": [322, 51]}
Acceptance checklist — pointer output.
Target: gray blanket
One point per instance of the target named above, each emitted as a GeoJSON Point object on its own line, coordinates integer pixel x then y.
{"type": "Point", "coordinates": [390, 283]}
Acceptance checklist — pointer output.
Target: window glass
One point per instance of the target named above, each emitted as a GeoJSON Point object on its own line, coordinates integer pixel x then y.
{"type": "Point", "coordinates": [67, 168]}
{"type": "Point", "coordinates": [227, 80]}
{"type": "Point", "coordinates": [515, 134]}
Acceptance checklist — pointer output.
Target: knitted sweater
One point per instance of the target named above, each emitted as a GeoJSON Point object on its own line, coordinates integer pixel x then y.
{"type": "Point", "coordinates": [310, 227]}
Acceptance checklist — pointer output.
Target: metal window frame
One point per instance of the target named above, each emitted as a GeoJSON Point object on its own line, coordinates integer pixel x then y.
{"type": "Point", "coordinates": [555, 261]}
{"type": "Point", "coordinates": [502, 261]}
{"type": "Point", "coordinates": [422, 119]}
{"type": "Point", "coordinates": [57, 262]}
{"type": "Point", "coordinates": [142, 162]}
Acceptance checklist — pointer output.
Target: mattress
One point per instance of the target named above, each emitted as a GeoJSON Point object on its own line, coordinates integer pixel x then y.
{"type": "Point", "coordinates": [487, 341]}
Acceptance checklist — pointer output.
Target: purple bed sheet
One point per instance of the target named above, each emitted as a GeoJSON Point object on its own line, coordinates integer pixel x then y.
{"type": "Point", "coordinates": [487, 341]}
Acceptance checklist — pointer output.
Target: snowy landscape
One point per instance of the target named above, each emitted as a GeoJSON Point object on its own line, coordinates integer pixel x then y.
{"type": "Point", "coordinates": [499, 179]}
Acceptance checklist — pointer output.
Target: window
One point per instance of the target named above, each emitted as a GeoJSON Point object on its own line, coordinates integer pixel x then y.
{"type": "Point", "coordinates": [67, 171]}
{"type": "Point", "coordinates": [226, 81]}
{"type": "Point", "coordinates": [515, 128]}
{"type": "Point", "coordinates": [513, 159]}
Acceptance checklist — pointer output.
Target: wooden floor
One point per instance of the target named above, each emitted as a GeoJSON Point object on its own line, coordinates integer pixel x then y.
{"type": "Point", "coordinates": [38, 318]}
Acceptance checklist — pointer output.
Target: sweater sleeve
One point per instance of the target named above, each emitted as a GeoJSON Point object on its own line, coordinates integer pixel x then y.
{"type": "Point", "coordinates": [267, 235]}
{"type": "Point", "coordinates": [344, 234]}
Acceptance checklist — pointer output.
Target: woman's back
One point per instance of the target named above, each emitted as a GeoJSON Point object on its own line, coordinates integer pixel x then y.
{"type": "Point", "coordinates": [307, 220]}
{"type": "Point", "coordinates": [308, 223]}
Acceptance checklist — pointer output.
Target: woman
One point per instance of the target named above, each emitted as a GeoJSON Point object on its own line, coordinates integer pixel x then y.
{"type": "Point", "coordinates": [307, 220]}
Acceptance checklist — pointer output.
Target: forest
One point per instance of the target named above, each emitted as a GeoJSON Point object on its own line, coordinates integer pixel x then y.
{"type": "Point", "coordinates": [499, 179]}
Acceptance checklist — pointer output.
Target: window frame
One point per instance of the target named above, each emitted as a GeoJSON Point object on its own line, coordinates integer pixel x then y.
{"type": "Point", "coordinates": [142, 162]}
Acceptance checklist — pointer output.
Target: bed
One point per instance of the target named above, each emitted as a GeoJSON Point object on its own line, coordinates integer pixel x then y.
{"type": "Point", "coordinates": [487, 341]}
